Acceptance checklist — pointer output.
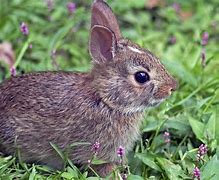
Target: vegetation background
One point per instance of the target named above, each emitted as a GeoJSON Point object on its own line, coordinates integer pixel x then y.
{"type": "Point", "coordinates": [180, 139]}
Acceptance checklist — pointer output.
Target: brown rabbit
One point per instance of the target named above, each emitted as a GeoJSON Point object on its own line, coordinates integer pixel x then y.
{"type": "Point", "coordinates": [104, 105]}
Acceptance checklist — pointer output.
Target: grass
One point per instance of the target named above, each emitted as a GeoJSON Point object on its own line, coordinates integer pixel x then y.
{"type": "Point", "coordinates": [191, 116]}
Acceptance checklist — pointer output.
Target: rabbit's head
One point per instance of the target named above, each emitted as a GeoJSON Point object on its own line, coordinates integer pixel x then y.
{"type": "Point", "coordinates": [127, 77]}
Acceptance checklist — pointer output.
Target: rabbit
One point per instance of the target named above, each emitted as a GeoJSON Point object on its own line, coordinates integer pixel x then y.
{"type": "Point", "coordinates": [105, 105]}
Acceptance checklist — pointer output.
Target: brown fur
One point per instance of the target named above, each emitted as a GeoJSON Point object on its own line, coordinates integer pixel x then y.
{"type": "Point", "coordinates": [104, 105]}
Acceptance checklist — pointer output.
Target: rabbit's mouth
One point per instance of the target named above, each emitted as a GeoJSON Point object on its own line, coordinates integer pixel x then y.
{"type": "Point", "coordinates": [155, 102]}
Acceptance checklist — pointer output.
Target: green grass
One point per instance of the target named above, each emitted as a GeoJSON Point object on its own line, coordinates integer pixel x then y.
{"type": "Point", "coordinates": [191, 115]}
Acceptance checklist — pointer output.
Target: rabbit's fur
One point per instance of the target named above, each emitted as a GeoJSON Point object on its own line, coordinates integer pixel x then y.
{"type": "Point", "coordinates": [104, 105]}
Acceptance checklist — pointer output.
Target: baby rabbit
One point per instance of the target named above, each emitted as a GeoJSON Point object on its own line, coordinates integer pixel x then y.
{"type": "Point", "coordinates": [104, 105]}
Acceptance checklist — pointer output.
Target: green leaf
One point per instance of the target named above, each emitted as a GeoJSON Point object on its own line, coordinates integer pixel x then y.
{"type": "Point", "coordinates": [22, 52]}
{"type": "Point", "coordinates": [179, 69]}
{"type": "Point", "coordinates": [152, 126]}
{"type": "Point", "coordinates": [4, 167]}
{"type": "Point", "coordinates": [68, 175]}
{"type": "Point", "coordinates": [33, 173]}
{"type": "Point", "coordinates": [135, 177]}
{"type": "Point", "coordinates": [177, 125]}
{"type": "Point", "coordinates": [211, 126]}
{"type": "Point", "coordinates": [171, 170]}
{"type": "Point", "coordinates": [79, 144]}
{"type": "Point", "coordinates": [55, 147]}
{"type": "Point", "coordinates": [74, 172]}
{"type": "Point", "coordinates": [197, 127]}
{"type": "Point", "coordinates": [56, 40]}
{"type": "Point", "coordinates": [216, 117]}
{"type": "Point", "coordinates": [98, 161]}
{"type": "Point", "coordinates": [93, 178]}
{"type": "Point", "coordinates": [210, 170]}
{"type": "Point", "coordinates": [149, 160]}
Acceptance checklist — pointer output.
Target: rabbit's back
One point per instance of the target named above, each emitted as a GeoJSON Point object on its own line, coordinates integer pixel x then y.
{"type": "Point", "coordinates": [40, 108]}
{"type": "Point", "coordinates": [39, 92]}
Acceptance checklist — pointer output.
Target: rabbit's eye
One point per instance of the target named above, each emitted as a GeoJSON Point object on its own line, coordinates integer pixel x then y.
{"type": "Point", "coordinates": [142, 77]}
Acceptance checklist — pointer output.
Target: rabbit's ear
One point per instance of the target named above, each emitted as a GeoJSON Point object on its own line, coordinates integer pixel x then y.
{"type": "Point", "coordinates": [103, 15]}
{"type": "Point", "coordinates": [102, 44]}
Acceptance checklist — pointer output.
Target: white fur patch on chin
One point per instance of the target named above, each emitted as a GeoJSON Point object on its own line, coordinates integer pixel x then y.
{"type": "Point", "coordinates": [135, 50]}
{"type": "Point", "coordinates": [155, 102]}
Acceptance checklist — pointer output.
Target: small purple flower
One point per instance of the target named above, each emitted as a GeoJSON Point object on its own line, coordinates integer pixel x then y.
{"type": "Point", "coordinates": [71, 7]}
{"type": "Point", "coordinates": [205, 37]}
{"type": "Point", "coordinates": [96, 146]}
{"type": "Point", "coordinates": [49, 4]}
{"type": "Point", "coordinates": [172, 40]}
{"type": "Point", "coordinates": [166, 134]}
{"type": "Point", "coordinates": [13, 71]}
{"type": "Point", "coordinates": [196, 173]}
{"type": "Point", "coordinates": [176, 7]}
{"type": "Point", "coordinates": [166, 137]}
{"type": "Point", "coordinates": [24, 28]}
{"type": "Point", "coordinates": [30, 46]}
{"type": "Point", "coordinates": [202, 150]}
{"type": "Point", "coordinates": [121, 151]}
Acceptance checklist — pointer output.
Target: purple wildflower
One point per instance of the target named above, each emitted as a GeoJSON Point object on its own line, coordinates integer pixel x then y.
{"type": "Point", "coordinates": [205, 37]}
{"type": "Point", "coordinates": [196, 173]}
{"type": "Point", "coordinates": [71, 7]}
{"type": "Point", "coordinates": [204, 42]}
{"type": "Point", "coordinates": [172, 40]}
{"type": "Point", "coordinates": [49, 4]}
{"type": "Point", "coordinates": [13, 71]}
{"type": "Point", "coordinates": [121, 151]}
{"type": "Point", "coordinates": [176, 7]}
{"type": "Point", "coordinates": [30, 46]}
{"type": "Point", "coordinates": [166, 137]}
{"type": "Point", "coordinates": [24, 28]}
{"type": "Point", "coordinates": [96, 146]}
{"type": "Point", "coordinates": [202, 150]}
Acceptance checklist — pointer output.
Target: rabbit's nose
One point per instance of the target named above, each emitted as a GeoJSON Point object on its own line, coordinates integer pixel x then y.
{"type": "Point", "coordinates": [165, 90]}
{"type": "Point", "coordinates": [168, 89]}
{"type": "Point", "coordinates": [174, 85]}
{"type": "Point", "coordinates": [171, 87]}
